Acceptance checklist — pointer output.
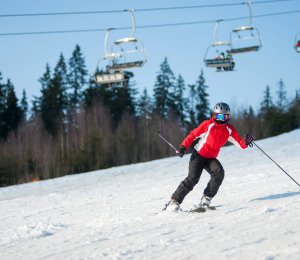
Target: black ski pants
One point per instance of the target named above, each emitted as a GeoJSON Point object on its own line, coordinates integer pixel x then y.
{"type": "Point", "coordinates": [196, 166]}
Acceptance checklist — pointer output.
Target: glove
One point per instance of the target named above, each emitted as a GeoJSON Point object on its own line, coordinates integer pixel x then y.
{"type": "Point", "coordinates": [249, 139]}
{"type": "Point", "coordinates": [180, 151]}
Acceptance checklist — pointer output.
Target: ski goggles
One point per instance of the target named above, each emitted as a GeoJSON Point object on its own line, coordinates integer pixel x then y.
{"type": "Point", "coordinates": [221, 117]}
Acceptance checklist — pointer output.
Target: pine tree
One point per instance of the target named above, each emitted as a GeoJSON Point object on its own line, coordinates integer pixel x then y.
{"type": "Point", "coordinates": [76, 77]}
{"type": "Point", "coordinates": [118, 97]}
{"type": "Point", "coordinates": [10, 111]}
{"type": "Point", "coordinates": [192, 109]}
{"type": "Point", "coordinates": [276, 119]}
{"type": "Point", "coordinates": [94, 93]}
{"type": "Point", "coordinates": [24, 105]}
{"type": "Point", "coordinates": [202, 106]}
{"type": "Point", "coordinates": [179, 104]}
{"type": "Point", "coordinates": [267, 113]}
{"type": "Point", "coordinates": [3, 91]}
{"type": "Point", "coordinates": [249, 119]}
{"type": "Point", "coordinates": [145, 106]}
{"type": "Point", "coordinates": [295, 109]}
{"type": "Point", "coordinates": [45, 81]}
{"type": "Point", "coordinates": [13, 112]}
{"type": "Point", "coordinates": [267, 102]}
{"type": "Point", "coordinates": [282, 96]}
{"type": "Point", "coordinates": [122, 98]}
{"type": "Point", "coordinates": [54, 99]}
{"type": "Point", "coordinates": [163, 89]}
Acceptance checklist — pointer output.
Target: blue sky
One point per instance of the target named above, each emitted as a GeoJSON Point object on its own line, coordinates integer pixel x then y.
{"type": "Point", "coordinates": [23, 58]}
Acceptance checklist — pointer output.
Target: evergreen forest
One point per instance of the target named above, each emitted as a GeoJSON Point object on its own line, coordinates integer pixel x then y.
{"type": "Point", "coordinates": [75, 125]}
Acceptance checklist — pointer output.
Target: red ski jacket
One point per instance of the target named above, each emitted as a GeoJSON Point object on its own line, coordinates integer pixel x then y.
{"type": "Point", "coordinates": [212, 137]}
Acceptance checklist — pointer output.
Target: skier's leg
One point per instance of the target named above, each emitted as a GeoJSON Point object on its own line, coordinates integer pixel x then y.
{"type": "Point", "coordinates": [216, 171]}
{"type": "Point", "coordinates": [196, 166]}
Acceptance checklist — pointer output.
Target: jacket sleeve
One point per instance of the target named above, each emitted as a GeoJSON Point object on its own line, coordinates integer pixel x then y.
{"type": "Point", "coordinates": [236, 139]}
{"type": "Point", "coordinates": [194, 134]}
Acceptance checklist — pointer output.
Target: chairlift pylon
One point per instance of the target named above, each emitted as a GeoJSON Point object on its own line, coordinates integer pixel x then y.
{"type": "Point", "coordinates": [218, 54]}
{"type": "Point", "coordinates": [245, 38]}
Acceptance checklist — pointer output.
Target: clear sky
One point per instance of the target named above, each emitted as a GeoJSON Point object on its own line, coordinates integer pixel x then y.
{"type": "Point", "coordinates": [23, 58]}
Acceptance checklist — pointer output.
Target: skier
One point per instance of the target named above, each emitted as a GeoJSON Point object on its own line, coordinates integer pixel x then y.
{"type": "Point", "coordinates": [208, 138]}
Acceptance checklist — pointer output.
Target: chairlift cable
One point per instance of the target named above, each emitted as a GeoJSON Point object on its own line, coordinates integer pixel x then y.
{"type": "Point", "coordinates": [148, 26]}
{"type": "Point", "coordinates": [136, 10]}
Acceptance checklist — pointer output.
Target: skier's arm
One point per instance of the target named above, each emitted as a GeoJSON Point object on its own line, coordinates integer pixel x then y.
{"type": "Point", "coordinates": [194, 134]}
{"type": "Point", "coordinates": [236, 139]}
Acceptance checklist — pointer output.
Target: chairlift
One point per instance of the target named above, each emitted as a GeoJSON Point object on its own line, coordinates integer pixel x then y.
{"type": "Point", "coordinates": [130, 51]}
{"type": "Point", "coordinates": [245, 38]}
{"type": "Point", "coordinates": [297, 43]}
{"type": "Point", "coordinates": [109, 76]}
{"type": "Point", "coordinates": [122, 54]}
{"type": "Point", "coordinates": [218, 54]}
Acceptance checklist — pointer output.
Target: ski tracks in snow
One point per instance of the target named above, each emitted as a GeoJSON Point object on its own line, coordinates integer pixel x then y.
{"type": "Point", "coordinates": [115, 213]}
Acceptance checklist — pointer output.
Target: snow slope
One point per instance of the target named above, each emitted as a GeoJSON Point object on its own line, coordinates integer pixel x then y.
{"type": "Point", "coordinates": [116, 213]}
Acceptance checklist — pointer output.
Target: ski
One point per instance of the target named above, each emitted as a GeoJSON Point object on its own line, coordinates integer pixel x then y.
{"type": "Point", "coordinates": [202, 209]}
{"type": "Point", "coordinates": [193, 210]}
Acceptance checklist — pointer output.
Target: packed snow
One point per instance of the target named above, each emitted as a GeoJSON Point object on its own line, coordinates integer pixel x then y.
{"type": "Point", "coordinates": [117, 213]}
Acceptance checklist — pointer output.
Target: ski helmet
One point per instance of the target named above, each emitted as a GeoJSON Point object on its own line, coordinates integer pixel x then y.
{"type": "Point", "coordinates": [222, 108]}
{"type": "Point", "coordinates": [221, 113]}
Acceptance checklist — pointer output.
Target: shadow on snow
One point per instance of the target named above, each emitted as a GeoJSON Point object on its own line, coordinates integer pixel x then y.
{"type": "Point", "coordinates": [278, 196]}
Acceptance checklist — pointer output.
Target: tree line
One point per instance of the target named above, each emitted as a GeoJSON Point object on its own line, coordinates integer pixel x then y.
{"type": "Point", "coordinates": [76, 125]}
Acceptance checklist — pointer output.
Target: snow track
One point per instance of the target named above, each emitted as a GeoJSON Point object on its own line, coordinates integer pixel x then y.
{"type": "Point", "coordinates": [116, 213]}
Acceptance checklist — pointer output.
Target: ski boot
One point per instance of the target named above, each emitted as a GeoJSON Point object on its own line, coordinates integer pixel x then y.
{"type": "Point", "coordinates": [203, 205]}
{"type": "Point", "coordinates": [173, 206]}
{"type": "Point", "coordinates": [205, 201]}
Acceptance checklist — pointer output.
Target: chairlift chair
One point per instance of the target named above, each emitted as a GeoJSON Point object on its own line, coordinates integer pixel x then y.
{"type": "Point", "coordinates": [217, 54]}
{"type": "Point", "coordinates": [123, 54]}
{"type": "Point", "coordinates": [109, 77]}
{"type": "Point", "coordinates": [214, 58]}
{"type": "Point", "coordinates": [245, 38]}
{"type": "Point", "coordinates": [297, 43]}
{"type": "Point", "coordinates": [130, 49]}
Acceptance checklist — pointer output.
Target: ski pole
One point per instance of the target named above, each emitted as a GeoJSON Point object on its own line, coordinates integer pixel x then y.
{"type": "Point", "coordinates": [275, 163]}
{"type": "Point", "coordinates": [159, 134]}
